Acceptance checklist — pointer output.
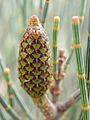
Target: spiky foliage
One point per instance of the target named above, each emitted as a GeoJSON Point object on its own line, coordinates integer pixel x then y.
{"type": "Point", "coordinates": [34, 65]}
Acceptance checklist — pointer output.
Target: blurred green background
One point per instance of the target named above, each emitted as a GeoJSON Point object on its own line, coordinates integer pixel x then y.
{"type": "Point", "coordinates": [14, 15]}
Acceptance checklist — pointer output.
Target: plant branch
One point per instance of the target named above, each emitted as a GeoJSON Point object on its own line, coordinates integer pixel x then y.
{"type": "Point", "coordinates": [55, 111]}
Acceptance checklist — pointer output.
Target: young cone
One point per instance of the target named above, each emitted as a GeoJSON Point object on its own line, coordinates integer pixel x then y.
{"type": "Point", "coordinates": [34, 65]}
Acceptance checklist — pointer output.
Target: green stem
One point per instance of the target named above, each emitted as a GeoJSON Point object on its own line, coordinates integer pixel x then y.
{"type": "Point", "coordinates": [32, 6]}
{"type": "Point", "coordinates": [45, 10]}
{"type": "Point", "coordinates": [80, 66]}
{"type": "Point", "coordinates": [56, 88]}
{"type": "Point", "coordinates": [40, 9]}
{"type": "Point", "coordinates": [88, 66]}
{"type": "Point", "coordinates": [55, 36]}
{"type": "Point", "coordinates": [87, 63]}
{"type": "Point", "coordinates": [87, 70]}
{"type": "Point", "coordinates": [3, 117]}
{"type": "Point", "coordinates": [82, 11]}
{"type": "Point", "coordinates": [8, 109]}
{"type": "Point", "coordinates": [82, 14]}
{"type": "Point", "coordinates": [21, 103]}
{"type": "Point", "coordinates": [7, 77]}
{"type": "Point", "coordinates": [24, 12]}
{"type": "Point", "coordinates": [68, 61]}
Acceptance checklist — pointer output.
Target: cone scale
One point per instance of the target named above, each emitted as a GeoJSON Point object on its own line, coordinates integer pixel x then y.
{"type": "Point", "coordinates": [34, 65]}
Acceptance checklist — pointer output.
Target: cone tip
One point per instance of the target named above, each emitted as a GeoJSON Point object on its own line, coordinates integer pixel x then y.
{"type": "Point", "coordinates": [34, 20]}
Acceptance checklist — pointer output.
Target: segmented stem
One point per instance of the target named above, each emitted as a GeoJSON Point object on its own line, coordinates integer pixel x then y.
{"type": "Point", "coordinates": [8, 109]}
{"type": "Point", "coordinates": [87, 67]}
{"type": "Point", "coordinates": [81, 72]}
{"type": "Point", "coordinates": [55, 90]}
{"type": "Point", "coordinates": [55, 35]}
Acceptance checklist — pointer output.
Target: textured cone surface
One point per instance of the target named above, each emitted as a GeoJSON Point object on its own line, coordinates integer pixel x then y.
{"type": "Point", "coordinates": [34, 64]}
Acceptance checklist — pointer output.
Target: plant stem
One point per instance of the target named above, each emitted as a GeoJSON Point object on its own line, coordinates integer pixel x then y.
{"type": "Point", "coordinates": [56, 111]}
{"type": "Point", "coordinates": [55, 35]}
{"type": "Point", "coordinates": [22, 103]}
{"type": "Point", "coordinates": [55, 89]}
{"type": "Point", "coordinates": [61, 60]}
{"type": "Point", "coordinates": [3, 117]}
{"type": "Point", "coordinates": [24, 12]}
{"type": "Point", "coordinates": [68, 61]}
{"type": "Point", "coordinates": [80, 66]}
{"type": "Point", "coordinates": [8, 109]}
{"type": "Point", "coordinates": [82, 11]}
{"type": "Point", "coordinates": [40, 9]}
{"type": "Point", "coordinates": [45, 10]}
{"type": "Point", "coordinates": [87, 67]}
{"type": "Point", "coordinates": [73, 99]}
{"type": "Point", "coordinates": [62, 108]}
{"type": "Point", "coordinates": [45, 105]}
{"type": "Point", "coordinates": [6, 73]}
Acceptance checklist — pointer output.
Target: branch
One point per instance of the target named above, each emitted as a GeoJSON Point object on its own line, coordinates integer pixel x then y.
{"type": "Point", "coordinates": [55, 111]}
{"type": "Point", "coordinates": [47, 107]}
{"type": "Point", "coordinates": [72, 100]}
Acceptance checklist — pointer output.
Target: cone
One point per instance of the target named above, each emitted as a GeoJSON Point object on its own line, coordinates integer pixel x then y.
{"type": "Point", "coordinates": [34, 61]}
